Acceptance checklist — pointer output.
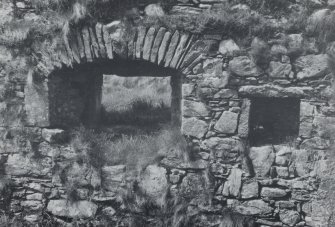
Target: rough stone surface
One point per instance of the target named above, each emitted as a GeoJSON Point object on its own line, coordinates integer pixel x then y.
{"type": "Point", "coordinates": [227, 122]}
{"type": "Point", "coordinates": [262, 159]}
{"type": "Point", "coordinates": [311, 66]}
{"type": "Point", "coordinates": [194, 109]}
{"type": "Point", "coordinates": [233, 185]}
{"type": "Point", "coordinates": [154, 10]}
{"type": "Point", "coordinates": [254, 207]}
{"type": "Point", "coordinates": [80, 209]}
{"type": "Point", "coordinates": [194, 127]}
{"type": "Point", "coordinates": [271, 91]}
{"type": "Point", "coordinates": [244, 67]}
{"type": "Point", "coordinates": [250, 190]}
{"type": "Point", "coordinates": [273, 192]}
{"type": "Point", "coordinates": [279, 70]}
{"type": "Point", "coordinates": [154, 183]}
{"type": "Point", "coordinates": [289, 217]}
{"type": "Point", "coordinates": [228, 47]}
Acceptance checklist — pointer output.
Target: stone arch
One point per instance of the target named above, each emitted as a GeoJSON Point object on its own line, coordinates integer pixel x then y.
{"type": "Point", "coordinates": [101, 44]}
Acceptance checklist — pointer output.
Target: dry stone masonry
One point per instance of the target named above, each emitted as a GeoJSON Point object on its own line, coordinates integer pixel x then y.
{"type": "Point", "coordinates": [266, 165]}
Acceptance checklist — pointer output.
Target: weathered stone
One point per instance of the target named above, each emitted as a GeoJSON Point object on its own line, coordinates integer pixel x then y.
{"type": "Point", "coordinates": [282, 172]}
{"type": "Point", "coordinates": [87, 44]}
{"type": "Point", "coordinates": [315, 143]}
{"type": "Point", "coordinates": [262, 159]}
{"type": "Point", "coordinates": [279, 70]}
{"type": "Point", "coordinates": [289, 217]}
{"type": "Point", "coordinates": [233, 184]}
{"type": "Point", "coordinates": [154, 10]}
{"type": "Point", "coordinates": [286, 205]}
{"type": "Point", "coordinates": [108, 42]}
{"type": "Point", "coordinates": [94, 43]}
{"type": "Point", "coordinates": [193, 187]}
{"type": "Point", "coordinates": [112, 177]}
{"type": "Point", "coordinates": [283, 155]}
{"type": "Point", "coordinates": [171, 49]}
{"type": "Point", "coordinates": [139, 42]}
{"type": "Point", "coordinates": [148, 42]}
{"type": "Point", "coordinates": [24, 165]}
{"type": "Point", "coordinates": [271, 91]}
{"type": "Point", "coordinates": [187, 89]}
{"type": "Point", "coordinates": [226, 94]}
{"type": "Point", "coordinates": [194, 127]}
{"type": "Point", "coordinates": [254, 207]}
{"type": "Point", "coordinates": [228, 47]}
{"type": "Point", "coordinates": [64, 208]}
{"type": "Point", "coordinates": [311, 66]}
{"type": "Point", "coordinates": [156, 45]}
{"type": "Point", "coordinates": [295, 42]}
{"type": "Point", "coordinates": [243, 125]}
{"type": "Point", "coordinates": [321, 125]}
{"type": "Point", "coordinates": [154, 183]}
{"type": "Point", "coordinates": [225, 144]}
{"type": "Point", "coordinates": [179, 50]}
{"type": "Point", "coordinates": [108, 212]}
{"type": "Point", "coordinates": [250, 190]}
{"type": "Point", "coordinates": [163, 47]}
{"type": "Point", "coordinates": [54, 135]}
{"type": "Point", "coordinates": [227, 122]}
{"type": "Point", "coordinates": [194, 109]}
{"type": "Point", "coordinates": [244, 67]}
{"type": "Point", "coordinates": [273, 192]}
{"type": "Point", "coordinates": [278, 50]}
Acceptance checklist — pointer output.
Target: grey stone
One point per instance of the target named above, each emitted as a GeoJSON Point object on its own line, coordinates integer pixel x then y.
{"type": "Point", "coordinates": [273, 192]}
{"type": "Point", "coordinates": [243, 125]}
{"type": "Point", "coordinates": [112, 177]}
{"type": "Point", "coordinates": [163, 47]}
{"type": "Point", "coordinates": [279, 70]}
{"type": "Point", "coordinates": [227, 122]}
{"type": "Point", "coordinates": [64, 208]}
{"type": "Point", "coordinates": [171, 49]}
{"type": "Point", "coordinates": [148, 42]}
{"type": "Point", "coordinates": [250, 190]}
{"type": "Point", "coordinates": [153, 182]}
{"type": "Point", "coordinates": [223, 144]}
{"type": "Point", "coordinates": [156, 45]}
{"type": "Point", "coordinates": [194, 127]}
{"type": "Point", "coordinates": [295, 42]}
{"type": "Point", "coordinates": [212, 67]}
{"type": "Point", "coordinates": [271, 91]}
{"type": "Point", "coordinates": [193, 187]}
{"type": "Point", "coordinates": [108, 212]}
{"type": "Point", "coordinates": [254, 207]}
{"type": "Point", "coordinates": [278, 50]}
{"type": "Point", "coordinates": [244, 67]}
{"type": "Point", "coordinates": [194, 109]}
{"type": "Point", "coordinates": [154, 10]}
{"type": "Point", "coordinates": [139, 42]}
{"type": "Point", "coordinates": [187, 89]}
{"type": "Point", "coordinates": [262, 159]}
{"type": "Point", "coordinates": [286, 204]}
{"type": "Point", "coordinates": [228, 47]}
{"type": "Point", "coordinates": [282, 172]}
{"type": "Point", "coordinates": [289, 217]}
{"type": "Point", "coordinates": [315, 143]}
{"type": "Point", "coordinates": [283, 155]}
{"type": "Point", "coordinates": [181, 48]}
{"type": "Point", "coordinates": [226, 94]}
{"type": "Point", "coordinates": [233, 184]}
{"type": "Point", "coordinates": [311, 66]}
{"type": "Point", "coordinates": [53, 135]}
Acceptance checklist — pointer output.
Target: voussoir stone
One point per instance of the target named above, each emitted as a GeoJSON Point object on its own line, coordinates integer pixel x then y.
{"type": "Point", "coordinates": [311, 66]}
{"type": "Point", "coordinates": [227, 122]}
{"type": "Point", "coordinates": [194, 127]}
{"type": "Point", "coordinates": [262, 159]}
{"type": "Point", "coordinates": [64, 208]}
{"type": "Point", "coordinates": [244, 67]}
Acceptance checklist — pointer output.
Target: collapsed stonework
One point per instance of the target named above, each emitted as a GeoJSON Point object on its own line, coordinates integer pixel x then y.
{"type": "Point", "coordinates": [218, 85]}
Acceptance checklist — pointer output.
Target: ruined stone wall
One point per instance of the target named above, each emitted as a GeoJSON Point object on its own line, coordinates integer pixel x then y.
{"type": "Point", "coordinates": [276, 184]}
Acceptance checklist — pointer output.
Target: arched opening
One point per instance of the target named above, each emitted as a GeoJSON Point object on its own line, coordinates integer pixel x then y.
{"type": "Point", "coordinates": [75, 94]}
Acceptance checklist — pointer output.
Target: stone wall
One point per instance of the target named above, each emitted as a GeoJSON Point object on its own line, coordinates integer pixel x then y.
{"type": "Point", "coordinates": [275, 184]}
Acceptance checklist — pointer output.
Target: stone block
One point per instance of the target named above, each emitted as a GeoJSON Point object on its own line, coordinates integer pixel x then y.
{"type": "Point", "coordinates": [244, 67]}
{"type": "Point", "coordinates": [262, 159]}
{"type": "Point", "coordinates": [311, 66]}
{"type": "Point", "coordinates": [254, 207]}
{"type": "Point", "coordinates": [78, 210]}
{"type": "Point", "coordinates": [194, 127]}
{"type": "Point", "coordinates": [250, 190]}
{"type": "Point", "coordinates": [289, 217]}
{"type": "Point", "coordinates": [279, 70]}
{"type": "Point", "coordinates": [273, 193]}
{"type": "Point", "coordinates": [228, 47]}
{"type": "Point", "coordinates": [233, 184]}
{"type": "Point", "coordinates": [227, 122]}
{"type": "Point", "coordinates": [194, 109]}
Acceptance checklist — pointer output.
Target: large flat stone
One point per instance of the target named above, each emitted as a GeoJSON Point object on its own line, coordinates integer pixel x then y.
{"type": "Point", "coordinates": [254, 207]}
{"type": "Point", "coordinates": [227, 122]}
{"type": "Point", "coordinates": [194, 127]}
{"type": "Point", "coordinates": [311, 66]}
{"type": "Point", "coordinates": [64, 208]}
{"type": "Point", "coordinates": [262, 159]}
{"type": "Point", "coordinates": [273, 192]}
{"type": "Point", "coordinates": [194, 109]}
{"type": "Point", "coordinates": [244, 67]}
{"type": "Point", "coordinates": [271, 91]}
